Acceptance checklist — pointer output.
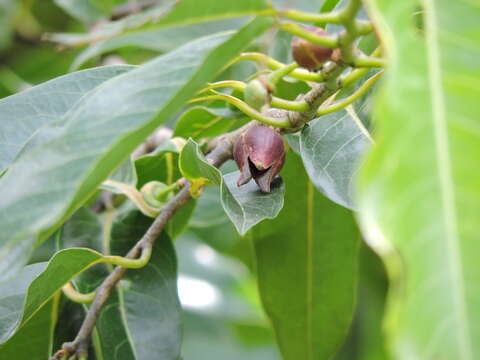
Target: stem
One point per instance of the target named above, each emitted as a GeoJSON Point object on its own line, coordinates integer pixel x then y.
{"type": "Point", "coordinates": [130, 263]}
{"type": "Point", "coordinates": [356, 74]}
{"type": "Point", "coordinates": [369, 61]}
{"type": "Point", "coordinates": [72, 294]}
{"type": "Point", "coordinates": [288, 104]}
{"type": "Point", "coordinates": [273, 64]}
{"type": "Point", "coordinates": [295, 29]}
{"type": "Point", "coordinates": [234, 84]}
{"type": "Point", "coordinates": [247, 110]}
{"type": "Point", "coordinates": [318, 19]}
{"type": "Point", "coordinates": [277, 75]}
{"type": "Point", "coordinates": [275, 102]}
{"type": "Point", "coordinates": [350, 99]}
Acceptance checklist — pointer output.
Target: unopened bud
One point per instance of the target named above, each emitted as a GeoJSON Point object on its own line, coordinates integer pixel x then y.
{"type": "Point", "coordinates": [309, 55]}
{"type": "Point", "coordinates": [257, 93]}
{"type": "Point", "coordinates": [156, 193]}
{"type": "Point", "coordinates": [259, 154]}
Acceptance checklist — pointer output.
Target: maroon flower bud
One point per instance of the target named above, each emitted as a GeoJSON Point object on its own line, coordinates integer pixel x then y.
{"type": "Point", "coordinates": [309, 55]}
{"type": "Point", "coordinates": [260, 154]}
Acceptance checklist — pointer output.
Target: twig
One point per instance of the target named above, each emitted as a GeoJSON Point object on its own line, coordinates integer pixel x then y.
{"type": "Point", "coordinates": [79, 346]}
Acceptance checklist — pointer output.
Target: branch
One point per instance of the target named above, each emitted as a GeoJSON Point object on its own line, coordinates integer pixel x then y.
{"type": "Point", "coordinates": [79, 346]}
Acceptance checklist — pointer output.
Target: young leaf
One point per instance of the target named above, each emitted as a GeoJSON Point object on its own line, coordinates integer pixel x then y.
{"type": "Point", "coordinates": [25, 113]}
{"type": "Point", "coordinates": [159, 165]}
{"type": "Point", "coordinates": [331, 148]}
{"type": "Point", "coordinates": [194, 166]}
{"type": "Point", "coordinates": [419, 191]}
{"type": "Point", "coordinates": [46, 186]}
{"type": "Point", "coordinates": [307, 269]}
{"type": "Point", "coordinates": [246, 205]}
{"type": "Point", "coordinates": [201, 122]}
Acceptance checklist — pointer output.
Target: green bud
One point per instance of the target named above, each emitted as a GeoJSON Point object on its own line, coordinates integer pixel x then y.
{"type": "Point", "coordinates": [256, 94]}
{"type": "Point", "coordinates": [156, 193]}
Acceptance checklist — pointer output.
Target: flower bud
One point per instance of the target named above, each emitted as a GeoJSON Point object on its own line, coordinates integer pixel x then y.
{"type": "Point", "coordinates": [309, 55]}
{"type": "Point", "coordinates": [155, 193]}
{"type": "Point", "coordinates": [257, 93]}
{"type": "Point", "coordinates": [259, 154]}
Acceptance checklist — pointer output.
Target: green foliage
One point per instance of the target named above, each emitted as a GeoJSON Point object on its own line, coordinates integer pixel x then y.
{"type": "Point", "coordinates": [113, 160]}
{"type": "Point", "coordinates": [307, 269]}
{"type": "Point", "coordinates": [417, 191]}
{"type": "Point", "coordinates": [99, 133]}
{"type": "Point", "coordinates": [246, 206]}
{"type": "Point", "coordinates": [331, 148]}
{"type": "Point", "coordinates": [201, 122]}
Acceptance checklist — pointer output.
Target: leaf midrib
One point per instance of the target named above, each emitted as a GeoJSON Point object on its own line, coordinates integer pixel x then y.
{"type": "Point", "coordinates": [445, 177]}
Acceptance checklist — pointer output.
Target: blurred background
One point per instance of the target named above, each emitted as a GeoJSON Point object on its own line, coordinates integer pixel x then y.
{"type": "Point", "coordinates": [223, 315]}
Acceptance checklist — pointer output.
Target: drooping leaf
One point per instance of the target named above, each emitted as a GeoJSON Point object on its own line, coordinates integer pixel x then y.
{"type": "Point", "coordinates": [419, 193]}
{"type": "Point", "coordinates": [201, 122]}
{"type": "Point", "coordinates": [169, 13]}
{"type": "Point", "coordinates": [246, 205]}
{"type": "Point", "coordinates": [102, 129]}
{"type": "Point", "coordinates": [22, 114]}
{"type": "Point", "coordinates": [307, 269]}
{"type": "Point", "coordinates": [141, 319]}
{"type": "Point", "coordinates": [161, 40]}
{"type": "Point", "coordinates": [23, 296]}
{"type": "Point", "coordinates": [194, 166]}
{"type": "Point", "coordinates": [331, 147]}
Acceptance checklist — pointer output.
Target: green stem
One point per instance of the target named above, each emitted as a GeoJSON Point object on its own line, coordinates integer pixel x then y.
{"type": "Point", "coordinates": [277, 75]}
{"type": "Point", "coordinates": [295, 29]}
{"type": "Point", "coordinates": [350, 99]}
{"type": "Point", "coordinates": [273, 64]}
{"type": "Point", "coordinates": [348, 13]}
{"type": "Point", "coordinates": [130, 263]}
{"type": "Point", "coordinates": [356, 74]}
{"type": "Point", "coordinates": [246, 109]}
{"type": "Point", "coordinates": [318, 19]}
{"type": "Point", "coordinates": [275, 102]}
{"type": "Point", "coordinates": [288, 104]}
{"type": "Point", "coordinates": [234, 84]}
{"type": "Point", "coordinates": [72, 294]}
{"type": "Point", "coordinates": [369, 61]}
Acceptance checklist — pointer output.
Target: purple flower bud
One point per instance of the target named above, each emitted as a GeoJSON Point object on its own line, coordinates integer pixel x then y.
{"type": "Point", "coordinates": [260, 154]}
{"type": "Point", "coordinates": [309, 55]}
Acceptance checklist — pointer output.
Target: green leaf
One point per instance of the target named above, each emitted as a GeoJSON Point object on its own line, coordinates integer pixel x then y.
{"type": "Point", "coordinates": [8, 9]}
{"type": "Point", "coordinates": [201, 122]}
{"type": "Point", "coordinates": [169, 13]}
{"type": "Point", "coordinates": [23, 114]}
{"type": "Point", "coordinates": [34, 340]}
{"type": "Point", "coordinates": [246, 205]}
{"type": "Point", "coordinates": [142, 318]}
{"type": "Point", "coordinates": [36, 285]}
{"type": "Point", "coordinates": [307, 269]}
{"type": "Point", "coordinates": [331, 148]}
{"type": "Point", "coordinates": [419, 192]}
{"type": "Point", "coordinates": [102, 129]}
{"type": "Point", "coordinates": [161, 40]}
{"type": "Point", "coordinates": [194, 166]}
{"type": "Point", "coordinates": [83, 10]}
{"type": "Point", "coordinates": [159, 165]}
